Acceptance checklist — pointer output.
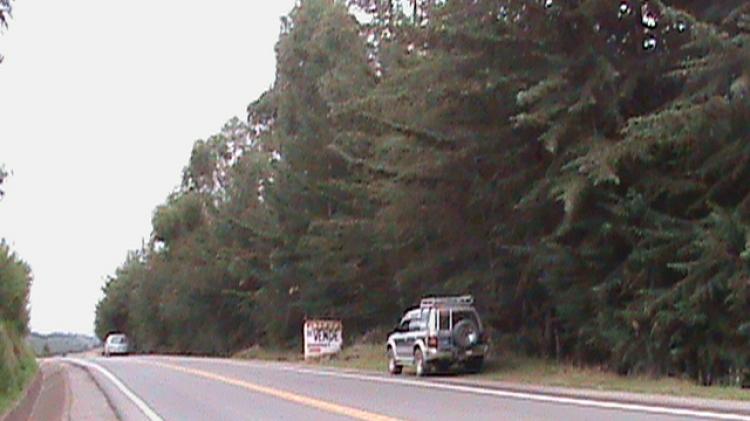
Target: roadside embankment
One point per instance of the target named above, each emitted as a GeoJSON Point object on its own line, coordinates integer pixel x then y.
{"type": "Point", "coordinates": [24, 402]}
{"type": "Point", "coordinates": [17, 366]}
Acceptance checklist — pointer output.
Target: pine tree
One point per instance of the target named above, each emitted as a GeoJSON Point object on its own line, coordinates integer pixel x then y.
{"type": "Point", "coordinates": [636, 144]}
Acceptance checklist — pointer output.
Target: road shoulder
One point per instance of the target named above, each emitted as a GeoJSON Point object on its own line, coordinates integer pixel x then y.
{"type": "Point", "coordinates": [62, 392]}
{"type": "Point", "coordinates": [721, 406]}
{"type": "Point", "coordinates": [89, 402]}
{"type": "Point", "coordinates": [680, 402]}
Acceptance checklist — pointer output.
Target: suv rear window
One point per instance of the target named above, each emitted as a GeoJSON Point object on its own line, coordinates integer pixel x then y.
{"type": "Point", "coordinates": [459, 315]}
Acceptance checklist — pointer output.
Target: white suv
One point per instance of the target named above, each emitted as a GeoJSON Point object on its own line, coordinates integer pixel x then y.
{"type": "Point", "coordinates": [442, 332]}
{"type": "Point", "coordinates": [116, 343]}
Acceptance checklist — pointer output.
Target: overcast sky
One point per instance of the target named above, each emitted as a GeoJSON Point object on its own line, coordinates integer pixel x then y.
{"type": "Point", "coordinates": [100, 103]}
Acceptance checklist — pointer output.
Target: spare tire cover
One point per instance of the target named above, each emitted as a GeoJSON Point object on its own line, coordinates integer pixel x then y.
{"type": "Point", "coordinates": [465, 333]}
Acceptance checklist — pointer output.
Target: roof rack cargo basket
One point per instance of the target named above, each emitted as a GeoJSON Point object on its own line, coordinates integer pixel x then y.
{"type": "Point", "coordinates": [465, 300]}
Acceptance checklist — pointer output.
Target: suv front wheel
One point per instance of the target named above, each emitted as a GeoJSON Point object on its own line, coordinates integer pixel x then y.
{"type": "Point", "coordinates": [420, 366]}
{"type": "Point", "coordinates": [393, 366]}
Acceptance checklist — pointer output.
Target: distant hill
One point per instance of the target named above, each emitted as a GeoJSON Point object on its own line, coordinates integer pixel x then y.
{"type": "Point", "coordinates": [61, 343]}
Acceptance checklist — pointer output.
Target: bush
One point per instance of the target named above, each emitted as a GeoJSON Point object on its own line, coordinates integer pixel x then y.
{"type": "Point", "coordinates": [17, 363]}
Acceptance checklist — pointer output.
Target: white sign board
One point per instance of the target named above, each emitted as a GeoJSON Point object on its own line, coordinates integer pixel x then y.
{"type": "Point", "coordinates": [322, 337]}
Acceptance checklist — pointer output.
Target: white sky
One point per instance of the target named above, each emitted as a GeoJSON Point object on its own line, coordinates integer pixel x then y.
{"type": "Point", "coordinates": [100, 103]}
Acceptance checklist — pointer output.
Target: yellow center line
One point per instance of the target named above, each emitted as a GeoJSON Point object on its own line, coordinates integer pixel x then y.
{"type": "Point", "coordinates": [281, 394]}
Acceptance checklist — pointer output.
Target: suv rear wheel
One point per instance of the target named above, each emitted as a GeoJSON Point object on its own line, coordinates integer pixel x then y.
{"type": "Point", "coordinates": [393, 366]}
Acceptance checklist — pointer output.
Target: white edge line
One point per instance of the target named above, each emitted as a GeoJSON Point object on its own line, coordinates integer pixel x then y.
{"type": "Point", "coordinates": [142, 406]}
{"type": "Point", "coordinates": [534, 397]}
{"type": "Point", "coordinates": [643, 408]}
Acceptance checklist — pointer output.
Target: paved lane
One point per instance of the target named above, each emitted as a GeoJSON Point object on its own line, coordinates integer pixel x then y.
{"type": "Point", "coordinates": [212, 389]}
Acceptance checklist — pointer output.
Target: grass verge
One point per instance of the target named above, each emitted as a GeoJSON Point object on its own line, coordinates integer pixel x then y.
{"type": "Point", "coordinates": [523, 370]}
{"type": "Point", "coordinates": [17, 365]}
{"type": "Point", "coordinates": [26, 372]}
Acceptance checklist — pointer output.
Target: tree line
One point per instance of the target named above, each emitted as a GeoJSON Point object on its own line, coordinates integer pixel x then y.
{"type": "Point", "coordinates": [580, 167]}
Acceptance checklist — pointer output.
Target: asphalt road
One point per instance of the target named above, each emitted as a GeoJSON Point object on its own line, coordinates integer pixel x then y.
{"type": "Point", "coordinates": [172, 388]}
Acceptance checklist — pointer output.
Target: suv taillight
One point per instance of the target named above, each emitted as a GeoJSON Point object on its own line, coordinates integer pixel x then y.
{"type": "Point", "coordinates": [432, 342]}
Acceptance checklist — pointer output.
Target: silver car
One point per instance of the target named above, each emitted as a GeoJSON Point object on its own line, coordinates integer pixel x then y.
{"type": "Point", "coordinates": [116, 344]}
{"type": "Point", "coordinates": [442, 332]}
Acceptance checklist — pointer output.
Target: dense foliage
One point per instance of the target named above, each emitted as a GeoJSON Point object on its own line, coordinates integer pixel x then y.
{"type": "Point", "coordinates": [16, 360]}
{"type": "Point", "coordinates": [579, 166]}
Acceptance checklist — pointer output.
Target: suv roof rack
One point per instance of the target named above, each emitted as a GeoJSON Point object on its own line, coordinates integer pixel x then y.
{"type": "Point", "coordinates": [465, 300]}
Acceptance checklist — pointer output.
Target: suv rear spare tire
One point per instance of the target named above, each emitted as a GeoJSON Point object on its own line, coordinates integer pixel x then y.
{"type": "Point", "coordinates": [465, 333]}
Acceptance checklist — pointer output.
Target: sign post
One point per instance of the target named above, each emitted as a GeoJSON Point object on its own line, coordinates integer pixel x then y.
{"type": "Point", "coordinates": [322, 337]}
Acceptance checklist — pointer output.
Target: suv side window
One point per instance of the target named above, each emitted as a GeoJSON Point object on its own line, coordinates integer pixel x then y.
{"type": "Point", "coordinates": [418, 319]}
{"type": "Point", "coordinates": [416, 324]}
{"type": "Point", "coordinates": [404, 326]}
{"type": "Point", "coordinates": [445, 320]}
